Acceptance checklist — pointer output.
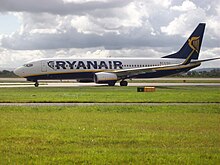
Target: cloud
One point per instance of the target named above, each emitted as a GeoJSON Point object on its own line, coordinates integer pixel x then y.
{"type": "Point", "coordinates": [41, 40]}
{"type": "Point", "coordinates": [186, 6]}
{"type": "Point", "coordinates": [164, 3]}
{"type": "Point", "coordinates": [14, 58]}
{"type": "Point", "coordinates": [185, 22]}
{"type": "Point", "coordinates": [214, 24]}
{"type": "Point", "coordinates": [125, 27]}
{"type": "Point", "coordinates": [98, 28]}
{"type": "Point", "coordinates": [58, 6]}
{"type": "Point", "coordinates": [189, 19]}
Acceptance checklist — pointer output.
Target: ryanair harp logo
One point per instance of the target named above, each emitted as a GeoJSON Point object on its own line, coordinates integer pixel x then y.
{"type": "Point", "coordinates": [194, 43]}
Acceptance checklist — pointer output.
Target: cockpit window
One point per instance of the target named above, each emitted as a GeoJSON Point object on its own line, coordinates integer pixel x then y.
{"type": "Point", "coordinates": [28, 65]}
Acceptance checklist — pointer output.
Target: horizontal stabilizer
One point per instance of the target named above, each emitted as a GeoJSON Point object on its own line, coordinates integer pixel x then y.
{"type": "Point", "coordinates": [210, 59]}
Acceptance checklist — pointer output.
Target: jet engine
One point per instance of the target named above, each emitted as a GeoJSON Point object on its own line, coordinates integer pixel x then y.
{"type": "Point", "coordinates": [104, 77]}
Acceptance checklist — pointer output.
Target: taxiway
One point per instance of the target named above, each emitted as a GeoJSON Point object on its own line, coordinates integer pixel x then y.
{"type": "Point", "coordinates": [21, 82]}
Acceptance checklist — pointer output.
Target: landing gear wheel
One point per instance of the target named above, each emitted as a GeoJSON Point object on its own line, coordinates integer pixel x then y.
{"type": "Point", "coordinates": [111, 83]}
{"type": "Point", "coordinates": [36, 84]}
{"type": "Point", "coordinates": [123, 83]}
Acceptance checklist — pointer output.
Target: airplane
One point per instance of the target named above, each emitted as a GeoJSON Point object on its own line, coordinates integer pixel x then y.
{"type": "Point", "coordinates": [110, 70]}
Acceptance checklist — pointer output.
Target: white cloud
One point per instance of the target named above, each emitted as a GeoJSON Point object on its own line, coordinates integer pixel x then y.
{"type": "Point", "coordinates": [164, 3]}
{"type": "Point", "coordinates": [99, 28]}
{"type": "Point", "coordinates": [44, 31]}
{"type": "Point", "coordinates": [112, 31]}
{"type": "Point", "coordinates": [12, 58]}
{"type": "Point", "coordinates": [186, 6]}
{"type": "Point", "coordinates": [214, 23]}
{"type": "Point", "coordinates": [210, 53]}
{"type": "Point", "coordinates": [184, 24]}
{"type": "Point", "coordinates": [80, 1]}
{"type": "Point", "coordinates": [59, 7]}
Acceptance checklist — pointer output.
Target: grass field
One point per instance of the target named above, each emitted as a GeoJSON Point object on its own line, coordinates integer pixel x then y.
{"type": "Point", "coordinates": [110, 94]}
{"type": "Point", "coordinates": [110, 135]}
{"type": "Point", "coordinates": [186, 134]}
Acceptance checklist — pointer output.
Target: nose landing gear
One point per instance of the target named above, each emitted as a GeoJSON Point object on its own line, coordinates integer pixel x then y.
{"type": "Point", "coordinates": [36, 84]}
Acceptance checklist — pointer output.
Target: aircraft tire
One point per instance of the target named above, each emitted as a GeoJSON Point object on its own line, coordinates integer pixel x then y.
{"type": "Point", "coordinates": [123, 83]}
{"type": "Point", "coordinates": [36, 84]}
{"type": "Point", "coordinates": [111, 83]}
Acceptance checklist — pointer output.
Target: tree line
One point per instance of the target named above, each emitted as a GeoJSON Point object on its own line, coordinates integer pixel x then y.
{"type": "Point", "coordinates": [200, 74]}
{"type": "Point", "coordinates": [7, 74]}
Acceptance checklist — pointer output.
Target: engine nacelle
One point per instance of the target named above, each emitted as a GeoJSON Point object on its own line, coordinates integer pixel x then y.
{"type": "Point", "coordinates": [104, 77]}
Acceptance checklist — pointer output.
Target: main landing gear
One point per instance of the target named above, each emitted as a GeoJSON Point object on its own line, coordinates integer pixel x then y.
{"type": "Point", "coordinates": [36, 84]}
{"type": "Point", "coordinates": [123, 83]}
{"type": "Point", "coordinates": [111, 83]}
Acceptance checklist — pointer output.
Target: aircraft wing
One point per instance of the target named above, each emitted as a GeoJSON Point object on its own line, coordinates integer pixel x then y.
{"type": "Point", "coordinates": [129, 73]}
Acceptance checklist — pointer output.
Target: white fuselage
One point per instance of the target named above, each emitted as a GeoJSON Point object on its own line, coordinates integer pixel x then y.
{"type": "Point", "coordinates": [70, 65]}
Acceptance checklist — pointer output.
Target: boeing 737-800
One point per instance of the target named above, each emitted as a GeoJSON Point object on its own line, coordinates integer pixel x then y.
{"type": "Point", "coordinates": [111, 70]}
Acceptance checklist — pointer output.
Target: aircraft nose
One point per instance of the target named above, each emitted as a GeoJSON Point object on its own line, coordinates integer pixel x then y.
{"type": "Point", "coordinates": [18, 72]}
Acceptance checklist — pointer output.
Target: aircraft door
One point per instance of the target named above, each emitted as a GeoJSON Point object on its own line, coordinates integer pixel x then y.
{"type": "Point", "coordinates": [44, 66]}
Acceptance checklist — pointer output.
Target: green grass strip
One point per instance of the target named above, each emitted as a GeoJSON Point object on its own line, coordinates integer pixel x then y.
{"type": "Point", "coordinates": [110, 135]}
{"type": "Point", "coordinates": [102, 94]}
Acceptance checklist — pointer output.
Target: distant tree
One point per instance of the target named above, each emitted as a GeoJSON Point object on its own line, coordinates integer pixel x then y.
{"type": "Point", "coordinates": [212, 74]}
{"type": "Point", "coordinates": [7, 74]}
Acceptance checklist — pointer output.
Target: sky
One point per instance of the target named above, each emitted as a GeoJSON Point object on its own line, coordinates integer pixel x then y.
{"type": "Point", "coordinates": [31, 29]}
